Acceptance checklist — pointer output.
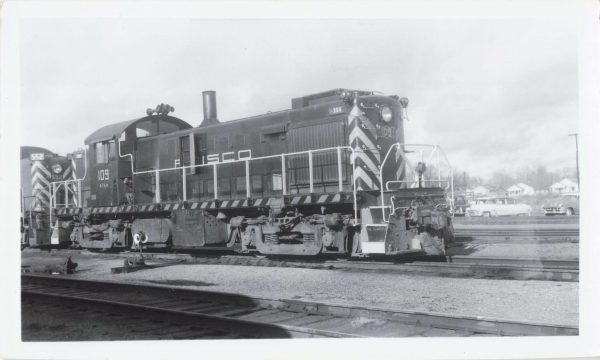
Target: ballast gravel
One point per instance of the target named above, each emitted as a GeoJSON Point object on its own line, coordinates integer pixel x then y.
{"type": "Point", "coordinates": [530, 301]}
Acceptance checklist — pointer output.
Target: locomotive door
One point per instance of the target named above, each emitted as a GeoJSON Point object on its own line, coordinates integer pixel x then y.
{"type": "Point", "coordinates": [104, 174]}
{"type": "Point", "coordinates": [189, 154]}
{"type": "Point", "coordinates": [274, 141]}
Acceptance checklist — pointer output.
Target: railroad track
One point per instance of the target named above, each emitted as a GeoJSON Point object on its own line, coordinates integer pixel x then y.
{"type": "Point", "coordinates": [450, 266]}
{"type": "Point", "coordinates": [570, 264]}
{"type": "Point", "coordinates": [518, 233]}
{"type": "Point", "coordinates": [190, 313]}
{"type": "Point", "coordinates": [512, 220]}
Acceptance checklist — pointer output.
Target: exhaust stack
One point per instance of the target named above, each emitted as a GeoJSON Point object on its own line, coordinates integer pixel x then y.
{"type": "Point", "coordinates": [209, 102]}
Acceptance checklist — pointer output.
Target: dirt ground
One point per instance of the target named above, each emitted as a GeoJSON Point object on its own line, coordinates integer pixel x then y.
{"type": "Point", "coordinates": [533, 301]}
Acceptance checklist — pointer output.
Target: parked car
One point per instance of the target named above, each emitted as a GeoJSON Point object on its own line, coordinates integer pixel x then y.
{"type": "Point", "coordinates": [498, 206]}
{"type": "Point", "coordinates": [568, 206]}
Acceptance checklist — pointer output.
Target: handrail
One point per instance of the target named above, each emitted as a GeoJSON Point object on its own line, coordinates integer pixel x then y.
{"type": "Point", "coordinates": [247, 161]}
{"type": "Point", "coordinates": [242, 160]}
{"type": "Point", "coordinates": [434, 150]}
{"type": "Point", "coordinates": [387, 184]}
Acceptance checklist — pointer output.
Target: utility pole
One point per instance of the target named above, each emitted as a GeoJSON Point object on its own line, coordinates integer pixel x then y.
{"type": "Point", "coordinates": [576, 156]}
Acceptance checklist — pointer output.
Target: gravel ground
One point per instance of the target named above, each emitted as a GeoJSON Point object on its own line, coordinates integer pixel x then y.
{"type": "Point", "coordinates": [535, 301]}
{"type": "Point", "coordinates": [564, 250]}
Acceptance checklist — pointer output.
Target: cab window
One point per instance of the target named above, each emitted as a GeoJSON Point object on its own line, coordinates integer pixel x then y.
{"type": "Point", "coordinates": [105, 151]}
{"type": "Point", "coordinates": [146, 128]}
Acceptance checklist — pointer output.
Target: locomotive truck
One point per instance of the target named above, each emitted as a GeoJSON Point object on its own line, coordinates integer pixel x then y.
{"type": "Point", "coordinates": [331, 175]}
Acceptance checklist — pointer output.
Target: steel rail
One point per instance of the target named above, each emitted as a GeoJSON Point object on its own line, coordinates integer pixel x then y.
{"type": "Point", "coordinates": [545, 263]}
{"type": "Point", "coordinates": [163, 310]}
{"type": "Point", "coordinates": [408, 323]}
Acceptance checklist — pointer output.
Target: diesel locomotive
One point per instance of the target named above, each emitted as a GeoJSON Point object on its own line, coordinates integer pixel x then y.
{"type": "Point", "coordinates": [331, 175]}
{"type": "Point", "coordinates": [39, 169]}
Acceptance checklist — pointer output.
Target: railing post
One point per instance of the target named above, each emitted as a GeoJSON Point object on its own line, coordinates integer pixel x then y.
{"type": "Point", "coordinates": [283, 175]}
{"type": "Point", "coordinates": [157, 180]}
{"type": "Point", "coordinates": [339, 163]}
{"type": "Point", "coordinates": [310, 171]}
{"type": "Point", "coordinates": [52, 201]}
{"type": "Point", "coordinates": [438, 163]}
{"type": "Point", "coordinates": [184, 184]}
{"type": "Point", "coordinates": [79, 204]}
{"type": "Point", "coordinates": [66, 195]}
{"type": "Point", "coordinates": [215, 180]}
{"type": "Point", "coordinates": [247, 179]}
{"type": "Point", "coordinates": [354, 201]}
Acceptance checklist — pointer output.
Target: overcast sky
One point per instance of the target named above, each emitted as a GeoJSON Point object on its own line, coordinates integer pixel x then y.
{"type": "Point", "coordinates": [493, 93]}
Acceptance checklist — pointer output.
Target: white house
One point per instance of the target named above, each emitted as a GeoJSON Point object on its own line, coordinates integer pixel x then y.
{"type": "Point", "coordinates": [565, 186]}
{"type": "Point", "coordinates": [520, 189]}
{"type": "Point", "coordinates": [481, 191]}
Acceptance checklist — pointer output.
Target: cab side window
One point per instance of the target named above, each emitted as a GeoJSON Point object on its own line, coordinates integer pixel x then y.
{"type": "Point", "coordinates": [105, 151]}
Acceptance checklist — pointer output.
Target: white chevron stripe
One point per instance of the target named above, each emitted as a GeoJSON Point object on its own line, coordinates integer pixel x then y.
{"type": "Point", "coordinates": [354, 113]}
{"type": "Point", "coordinates": [42, 199]}
{"type": "Point", "coordinates": [367, 161]}
{"type": "Point", "coordinates": [40, 187]}
{"type": "Point", "coordinates": [37, 166]}
{"type": "Point", "coordinates": [358, 133]}
{"type": "Point", "coordinates": [66, 173]}
{"type": "Point", "coordinates": [360, 173]}
{"type": "Point", "coordinates": [39, 178]}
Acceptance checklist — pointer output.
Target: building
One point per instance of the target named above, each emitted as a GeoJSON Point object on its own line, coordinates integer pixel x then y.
{"type": "Point", "coordinates": [520, 189]}
{"type": "Point", "coordinates": [565, 187]}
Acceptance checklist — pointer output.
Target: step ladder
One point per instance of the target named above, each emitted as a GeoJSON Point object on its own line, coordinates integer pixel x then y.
{"type": "Point", "coordinates": [375, 225]}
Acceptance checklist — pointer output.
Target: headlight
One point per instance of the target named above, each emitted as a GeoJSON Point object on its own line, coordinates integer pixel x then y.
{"type": "Point", "coordinates": [386, 114]}
{"type": "Point", "coordinates": [56, 168]}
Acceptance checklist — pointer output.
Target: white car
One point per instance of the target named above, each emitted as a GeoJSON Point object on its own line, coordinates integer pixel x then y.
{"type": "Point", "coordinates": [498, 206]}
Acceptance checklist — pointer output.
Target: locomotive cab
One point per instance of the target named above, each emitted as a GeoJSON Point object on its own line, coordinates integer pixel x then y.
{"type": "Point", "coordinates": [114, 151]}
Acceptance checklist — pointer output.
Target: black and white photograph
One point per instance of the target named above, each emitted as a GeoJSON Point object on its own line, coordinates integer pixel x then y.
{"type": "Point", "coordinates": [267, 179]}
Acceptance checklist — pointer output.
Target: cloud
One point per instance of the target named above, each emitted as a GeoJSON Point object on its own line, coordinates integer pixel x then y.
{"type": "Point", "coordinates": [493, 93]}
